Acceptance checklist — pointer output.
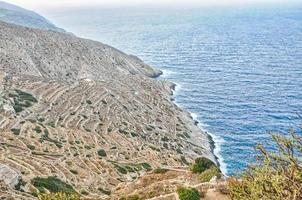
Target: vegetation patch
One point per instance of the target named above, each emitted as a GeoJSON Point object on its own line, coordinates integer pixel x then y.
{"type": "Point", "coordinates": [132, 197]}
{"type": "Point", "coordinates": [58, 196]}
{"type": "Point", "coordinates": [120, 169]}
{"type": "Point", "coordinates": [45, 137]}
{"type": "Point", "coordinates": [123, 131]}
{"type": "Point", "coordinates": [160, 171]}
{"type": "Point", "coordinates": [275, 174]}
{"type": "Point", "coordinates": [85, 193]}
{"type": "Point", "coordinates": [31, 147]}
{"type": "Point", "coordinates": [16, 131]}
{"type": "Point", "coordinates": [208, 174]}
{"type": "Point", "coordinates": [133, 134]}
{"type": "Point", "coordinates": [20, 184]}
{"type": "Point", "coordinates": [52, 184]}
{"type": "Point", "coordinates": [22, 100]}
{"type": "Point", "coordinates": [102, 153]}
{"type": "Point", "coordinates": [202, 164]}
{"type": "Point", "coordinates": [131, 167]}
{"type": "Point", "coordinates": [37, 129]}
{"type": "Point", "coordinates": [188, 194]}
{"type": "Point", "coordinates": [146, 166]}
{"type": "Point", "coordinates": [104, 191]}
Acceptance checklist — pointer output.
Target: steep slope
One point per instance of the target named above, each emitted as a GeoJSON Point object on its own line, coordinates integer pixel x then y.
{"type": "Point", "coordinates": [14, 14]}
{"type": "Point", "coordinates": [86, 113]}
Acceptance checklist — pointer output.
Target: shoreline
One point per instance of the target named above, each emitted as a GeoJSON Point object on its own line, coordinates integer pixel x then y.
{"type": "Point", "coordinates": [213, 140]}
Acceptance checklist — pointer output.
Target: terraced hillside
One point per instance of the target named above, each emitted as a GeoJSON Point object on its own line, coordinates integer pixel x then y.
{"type": "Point", "coordinates": [86, 114]}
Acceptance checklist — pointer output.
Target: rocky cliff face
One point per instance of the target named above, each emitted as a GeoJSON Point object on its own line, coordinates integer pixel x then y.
{"type": "Point", "coordinates": [86, 113]}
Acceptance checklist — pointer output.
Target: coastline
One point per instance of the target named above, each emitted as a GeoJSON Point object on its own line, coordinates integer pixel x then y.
{"type": "Point", "coordinates": [214, 141]}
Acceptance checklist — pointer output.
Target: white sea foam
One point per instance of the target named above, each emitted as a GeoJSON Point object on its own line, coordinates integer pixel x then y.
{"type": "Point", "coordinates": [218, 141]}
{"type": "Point", "coordinates": [217, 151]}
{"type": "Point", "coordinates": [166, 73]}
{"type": "Point", "coordinates": [194, 116]}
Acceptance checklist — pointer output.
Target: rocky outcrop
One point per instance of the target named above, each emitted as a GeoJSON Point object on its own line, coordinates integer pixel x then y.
{"type": "Point", "coordinates": [16, 15]}
{"type": "Point", "coordinates": [9, 176]}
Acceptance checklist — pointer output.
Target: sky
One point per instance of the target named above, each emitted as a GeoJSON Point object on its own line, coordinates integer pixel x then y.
{"type": "Point", "coordinates": [49, 4]}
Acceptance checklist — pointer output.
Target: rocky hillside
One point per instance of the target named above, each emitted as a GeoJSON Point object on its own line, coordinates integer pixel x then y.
{"type": "Point", "coordinates": [20, 16]}
{"type": "Point", "coordinates": [81, 114]}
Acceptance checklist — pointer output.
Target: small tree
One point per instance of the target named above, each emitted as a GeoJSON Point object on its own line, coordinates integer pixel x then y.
{"type": "Point", "coordinates": [277, 175]}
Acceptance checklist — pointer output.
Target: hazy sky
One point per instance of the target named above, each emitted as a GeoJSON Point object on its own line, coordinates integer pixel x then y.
{"type": "Point", "coordinates": [42, 4]}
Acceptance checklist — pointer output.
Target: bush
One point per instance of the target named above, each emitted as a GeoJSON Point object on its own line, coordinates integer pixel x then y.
{"type": "Point", "coordinates": [202, 164]}
{"type": "Point", "coordinates": [146, 166]}
{"type": "Point", "coordinates": [276, 175]}
{"type": "Point", "coordinates": [52, 184]}
{"type": "Point", "coordinates": [16, 131]}
{"type": "Point", "coordinates": [121, 169]}
{"type": "Point", "coordinates": [58, 196]}
{"type": "Point", "coordinates": [160, 171]}
{"type": "Point", "coordinates": [208, 174]}
{"type": "Point", "coordinates": [188, 194]}
{"type": "Point", "coordinates": [102, 153]}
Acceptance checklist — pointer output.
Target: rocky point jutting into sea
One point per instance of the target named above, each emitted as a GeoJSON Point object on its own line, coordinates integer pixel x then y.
{"type": "Point", "coordinates": [87, 114]}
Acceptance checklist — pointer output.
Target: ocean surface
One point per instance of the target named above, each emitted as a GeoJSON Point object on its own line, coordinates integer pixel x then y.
{"type": "Point", "coordinates": [237, 70]}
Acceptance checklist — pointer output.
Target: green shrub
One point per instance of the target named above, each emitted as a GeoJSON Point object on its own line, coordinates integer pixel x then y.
{"type": "Point", "coordinates": [22, 100]}
{"type": "Point", "coordinates": [202, 164]}
{"type": "Point", "coordinates": [146, 166]}
{"type": "Point", "coordinates": [37, 129]}
{"type": "Point", "coordinates": [102, 153]}
{"type": "Point", "coordinates": [121, 169]}
{"type": "Point", "coordinates": [208, 174]}
{"type": "Point", "coordinates": [133, 134]}
{"type": "Point", "coordinates": [17, 108]}
{"type": "Point", "coordinates": [89, 102]}
{"type": "Point", "coordinates": [16, 131]}
{"type": "Point", "coordinates": [160, 171]}
{"type": "Point", "coordinates": [188, 194]}
{"type": "Point", "coordinates": [52, 184]}
{"type": "Point", "coordinates": [58, 196]}
{"type": "Point", "coordinates": [26, 96]}
{"type": "Point", "coordinates": [276, 175]}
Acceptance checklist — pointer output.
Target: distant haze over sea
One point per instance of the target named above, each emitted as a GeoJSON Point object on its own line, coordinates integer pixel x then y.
{"type": "Point", "coordinates": [238, 70]}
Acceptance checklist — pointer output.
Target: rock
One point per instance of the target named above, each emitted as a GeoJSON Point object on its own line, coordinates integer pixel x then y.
{"type": "Point", "coordinates": [9, 176]}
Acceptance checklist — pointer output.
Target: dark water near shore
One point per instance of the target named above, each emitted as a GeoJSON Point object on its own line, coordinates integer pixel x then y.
{"type": "Point", "coordinates": [238, 70]}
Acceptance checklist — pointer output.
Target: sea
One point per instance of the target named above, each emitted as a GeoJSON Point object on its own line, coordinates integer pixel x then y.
{"type": "Point", "coordinates": [238, 70]}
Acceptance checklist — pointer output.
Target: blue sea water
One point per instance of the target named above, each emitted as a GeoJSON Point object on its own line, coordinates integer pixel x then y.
{"type": "Point", "coordinates": [238, 70]}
